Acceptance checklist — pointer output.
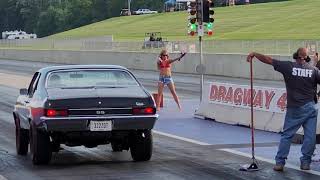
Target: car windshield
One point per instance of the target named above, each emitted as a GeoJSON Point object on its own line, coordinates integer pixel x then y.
{"type": "Point", "coordinates": [90, 79]}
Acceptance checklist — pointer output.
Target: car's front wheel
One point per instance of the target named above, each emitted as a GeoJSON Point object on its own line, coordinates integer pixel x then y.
{"type": "Point", "coordinates": [40, 147]}
{"type": "Point", "coordinates": [22, 141]}
{"type": "Point", "coordinates": [141, 145]}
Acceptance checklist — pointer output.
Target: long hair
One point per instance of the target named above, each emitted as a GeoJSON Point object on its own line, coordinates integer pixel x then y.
{"type": "Point", "coordinates": [163, 51]}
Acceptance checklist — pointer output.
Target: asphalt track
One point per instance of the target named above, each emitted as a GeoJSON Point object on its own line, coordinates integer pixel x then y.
{"type": "Point", "coordinates": [173, 157]}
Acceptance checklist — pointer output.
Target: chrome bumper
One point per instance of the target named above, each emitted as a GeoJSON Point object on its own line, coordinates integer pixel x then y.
{"type": "Point", "coordinates": [82, 123]}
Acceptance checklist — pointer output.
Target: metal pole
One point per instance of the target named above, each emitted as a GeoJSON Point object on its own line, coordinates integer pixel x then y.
{"type": "Point", "coordinates": [129, 7]}
{"type": "Point", "coordinates": [252, 122]}
{"type": "Point", "coordinates": [201, 65]}
{"type": "Point", "coordinates": [201, 53]}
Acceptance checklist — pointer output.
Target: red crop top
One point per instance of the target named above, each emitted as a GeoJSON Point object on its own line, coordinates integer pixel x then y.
{"type": "Point", "coordinates": [164, 64]}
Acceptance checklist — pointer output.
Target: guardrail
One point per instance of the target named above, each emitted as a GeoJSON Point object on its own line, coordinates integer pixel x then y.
{"type": "Point", "coordinates": [276, 47]}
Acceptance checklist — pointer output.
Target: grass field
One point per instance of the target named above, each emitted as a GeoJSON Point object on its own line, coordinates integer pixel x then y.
{"type": "Point", "coordinates": [295, 19]}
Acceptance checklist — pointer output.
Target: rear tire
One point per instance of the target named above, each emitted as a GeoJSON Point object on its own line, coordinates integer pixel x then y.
{"type": "Point", "coordinates": [22, 141]}
{"type": "Point", "coordinates": [141, 145]}
{"type": "Point", "coordinates": [55, 147]}
{"type": "Point", "coordinates": [40, 147]}
{"type": "Point", "coordinates": [116, 147]}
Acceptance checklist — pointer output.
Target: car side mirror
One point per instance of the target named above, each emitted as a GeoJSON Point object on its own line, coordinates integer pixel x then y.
{"type": "Point", "coordinates": [23, 91]}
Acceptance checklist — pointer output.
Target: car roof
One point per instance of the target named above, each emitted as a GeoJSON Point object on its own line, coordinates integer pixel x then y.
{"type": "Point", "coordinates": [70, 67]}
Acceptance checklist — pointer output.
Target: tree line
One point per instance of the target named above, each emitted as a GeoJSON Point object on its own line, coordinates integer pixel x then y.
{"type": "Point", "coordinates": [46, 17]}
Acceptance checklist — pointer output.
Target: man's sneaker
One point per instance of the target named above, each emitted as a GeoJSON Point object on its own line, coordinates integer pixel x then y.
{"type": "Point", "coordinates": [278, 167]}
{"type": "Point", "coordinates": [305, 166]}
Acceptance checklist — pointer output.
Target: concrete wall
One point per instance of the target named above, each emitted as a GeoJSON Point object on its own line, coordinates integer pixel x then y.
{"type": "Point", "coordinates": [267, 121]}
{"type": "Point", "coordinates": [230, 65]}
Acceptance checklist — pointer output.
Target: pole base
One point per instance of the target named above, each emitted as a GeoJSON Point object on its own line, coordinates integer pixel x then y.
{"type": "Point", "coordinates": [250, 167]}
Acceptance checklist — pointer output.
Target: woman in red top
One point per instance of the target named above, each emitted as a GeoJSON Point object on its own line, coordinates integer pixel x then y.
{"type": "Point", "coordinates": [164, 66]}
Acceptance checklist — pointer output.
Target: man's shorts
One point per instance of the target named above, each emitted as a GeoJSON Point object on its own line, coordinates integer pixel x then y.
{"type": "Point", "coordinates": [165, 79]}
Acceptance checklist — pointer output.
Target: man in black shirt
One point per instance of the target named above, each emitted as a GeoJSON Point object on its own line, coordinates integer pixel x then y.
{"type": "Point", "coordinates": [301, 81]}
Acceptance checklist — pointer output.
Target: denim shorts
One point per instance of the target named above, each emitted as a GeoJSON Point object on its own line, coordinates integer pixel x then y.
{"type": "Point", "coordinates": [165, 79]}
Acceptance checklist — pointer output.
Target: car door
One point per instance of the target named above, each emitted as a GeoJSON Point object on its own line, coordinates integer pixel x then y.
{"type": "Point", "coordinates": [26, 99]}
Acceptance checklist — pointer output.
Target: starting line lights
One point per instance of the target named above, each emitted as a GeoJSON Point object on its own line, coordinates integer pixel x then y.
{"type": "Point", "coordinates": [201, 12]}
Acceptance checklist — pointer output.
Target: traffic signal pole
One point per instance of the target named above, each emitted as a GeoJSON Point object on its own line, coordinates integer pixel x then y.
{"type": "Point", "coordinates": [200, 18]}
{"type": "Point", "coordinates": [200, 34]}
{"type": "Point", "coordinates": [201, 65]}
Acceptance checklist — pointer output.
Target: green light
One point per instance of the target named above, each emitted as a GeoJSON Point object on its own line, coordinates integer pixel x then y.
{"type": "Point", "coordinates": [210, 25]}
{"type": "Point", "coordinates": [193, 27]}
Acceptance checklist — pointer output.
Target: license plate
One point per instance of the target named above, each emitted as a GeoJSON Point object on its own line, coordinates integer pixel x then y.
{"type": "Point", "coordinates": [100, 125]}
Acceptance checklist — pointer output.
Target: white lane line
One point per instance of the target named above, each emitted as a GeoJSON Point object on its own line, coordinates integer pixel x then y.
{"type": "Point", "coordinates": [3, 178]}
{"type": "Point", "coordinates": [269, 161]}
{"type": "Point", "coordinates": [181, 138]}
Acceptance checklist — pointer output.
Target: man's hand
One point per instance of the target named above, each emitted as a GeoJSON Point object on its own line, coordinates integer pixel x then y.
{"type": "Point", "coordinates": [250, 57]}
{"type": "Point", "coordinates": [263, 58]}
{"type": "Point", "coordinates": [316, 57]}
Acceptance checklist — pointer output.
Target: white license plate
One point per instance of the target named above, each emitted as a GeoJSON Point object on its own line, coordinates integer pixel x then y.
{"type": "Point", "coordinates": [100, 125]}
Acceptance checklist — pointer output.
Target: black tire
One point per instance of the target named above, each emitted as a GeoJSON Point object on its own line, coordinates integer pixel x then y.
{"type": "Point", "coordinates": [40, 147]}
{"type": "Point", "coordinates": [116, 147]}
{"type": "Point", "coordinates": [141, 145]}
{"type": "Point", "coordinates": [22, 141]}
{"type": "Point", "coordinates": [55, 147]}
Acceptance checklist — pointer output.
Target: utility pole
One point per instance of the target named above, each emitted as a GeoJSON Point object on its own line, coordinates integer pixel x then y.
{"type": "Point", "coordinates": [129, 8]}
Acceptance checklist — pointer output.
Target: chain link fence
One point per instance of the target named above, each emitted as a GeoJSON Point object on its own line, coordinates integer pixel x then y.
{"type": "Point", "coordinates": [278, 47]}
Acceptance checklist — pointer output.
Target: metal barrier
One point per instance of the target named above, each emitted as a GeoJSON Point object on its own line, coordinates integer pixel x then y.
{"type": "Point", "coordinates": [277, 47]}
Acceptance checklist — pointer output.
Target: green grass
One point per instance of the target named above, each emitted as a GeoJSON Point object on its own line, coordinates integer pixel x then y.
{"type": "Point", "coordinates": [295, 19]}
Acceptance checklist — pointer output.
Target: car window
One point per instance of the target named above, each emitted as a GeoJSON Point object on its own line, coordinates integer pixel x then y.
{"type": "Point", "coordinates": [90, 78]}
{"type": "Point", "coordinates": [35, 87]}
{"type": "Point", "coordinates": [33, 84]}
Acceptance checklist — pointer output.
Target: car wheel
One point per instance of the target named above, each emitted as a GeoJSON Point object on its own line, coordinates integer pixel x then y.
{"type": "Point", "coordinates": [55, 147]}
{"type": "Point", "coordinates": [116, 147]}
{"type": "Point", "coordinates": [22, 141]}
{"type": "Point", "coordinates": [40, 147]}
{"type": "Point", "coordinates": [141, 145]}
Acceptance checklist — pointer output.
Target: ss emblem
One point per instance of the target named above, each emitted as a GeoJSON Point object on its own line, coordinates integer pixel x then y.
{"type": "Point", "coordinates": [100, 112]}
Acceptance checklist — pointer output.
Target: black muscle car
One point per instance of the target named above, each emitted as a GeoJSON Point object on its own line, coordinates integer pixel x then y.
{"type": "Point", "coordinates": [84, 105]}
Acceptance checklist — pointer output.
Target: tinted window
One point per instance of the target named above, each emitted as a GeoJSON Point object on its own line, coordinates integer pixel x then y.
{"type": "Point", "coordinates": [33, 83]}
{"type": "Point", "coordinates": [88, 78]}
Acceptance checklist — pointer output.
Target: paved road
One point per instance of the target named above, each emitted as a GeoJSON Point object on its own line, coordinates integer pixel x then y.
{"type": "Point", "coordinates": [185, 83]}
{"type": "Point", "coordinates": [172, 158]}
